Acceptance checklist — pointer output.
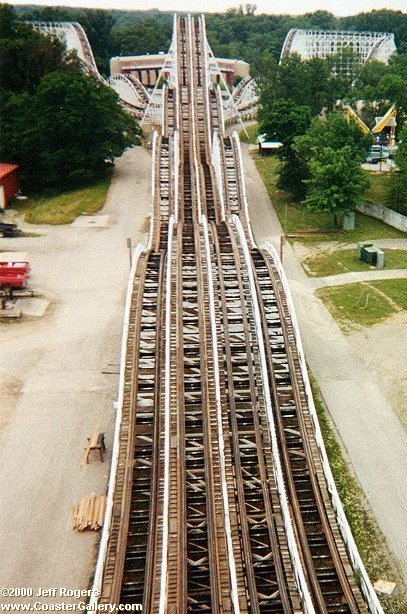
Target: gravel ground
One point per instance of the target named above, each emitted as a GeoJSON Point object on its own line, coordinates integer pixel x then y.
{"type": "Point", "coordinates": [383, 348]}
{"type": "Point", "coordinates": [54, 392]}
{"type": "Point", "coordinates": [302, 250]}
{"type": "Point", "coordinates": [362, 376]}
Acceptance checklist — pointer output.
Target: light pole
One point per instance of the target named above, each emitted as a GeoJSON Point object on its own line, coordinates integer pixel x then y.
{"type": "Point", "coordinates": [381, 151]}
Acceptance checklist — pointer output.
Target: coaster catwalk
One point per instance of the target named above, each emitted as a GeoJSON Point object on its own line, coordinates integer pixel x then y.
{"type": "Point", "coordinates": [221, 498]}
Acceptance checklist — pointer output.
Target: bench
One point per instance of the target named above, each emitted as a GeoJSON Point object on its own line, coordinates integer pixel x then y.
{"type": "Point", "coordinates": [96, 442]}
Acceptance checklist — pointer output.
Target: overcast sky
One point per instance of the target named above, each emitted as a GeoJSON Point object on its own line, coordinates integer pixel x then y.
{"type": "Point", "coordinates": [295, 7]}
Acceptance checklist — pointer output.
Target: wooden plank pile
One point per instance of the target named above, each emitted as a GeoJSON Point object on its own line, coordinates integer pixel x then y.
{"type": "Point", "coordinates": [89, 514]}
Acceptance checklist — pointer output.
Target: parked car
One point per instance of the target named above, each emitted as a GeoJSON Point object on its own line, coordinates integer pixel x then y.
{"type": "Point", "coordinates": [8, 230]}
{"type": "Point", "coordinates": [377, 153]}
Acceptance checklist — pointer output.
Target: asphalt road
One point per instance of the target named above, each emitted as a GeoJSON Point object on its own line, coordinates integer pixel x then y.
{"type": "Point", "coordinates": [54, 394]}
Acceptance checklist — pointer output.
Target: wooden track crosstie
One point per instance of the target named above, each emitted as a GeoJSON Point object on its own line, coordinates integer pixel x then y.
{"type": "Point", "coordinates": [221, 501]}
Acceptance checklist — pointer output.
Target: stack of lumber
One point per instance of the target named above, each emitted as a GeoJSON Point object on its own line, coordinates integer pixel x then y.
{"type": "Point", "coordinates": [88, 514]}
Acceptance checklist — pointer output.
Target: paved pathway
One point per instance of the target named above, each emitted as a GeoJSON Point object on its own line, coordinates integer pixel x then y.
{"type": "Point", "coordinates": [358, 276]}
{"type": "Point", "coordinates": [383, 243]}
{"type": "Point", "coordinates": [371, 432]}
{"type": "Point", "coordinates": [54, 392]}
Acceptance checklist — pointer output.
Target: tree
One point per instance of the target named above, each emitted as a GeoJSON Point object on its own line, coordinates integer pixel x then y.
{"type": "Point", "coordinates": [250, 9]}
{"type": "Point", "coordinates": [79, 129]}
{"type": "Point", "coordinates": [397, 191]}
{"type": "Point", "coordinates": [305, 82]}
{"type": "Point", "coordinates": [336, 182]}
{"type": "Point", "coordinates": [321, 20]}
{"type": "Point", "coordinates": [142, 37]}
{"type": "Point", "coordinates": [292, 80]}
{"type": "Point", "coordinates": [233, 30]}
{"type": "Point", "coordinates": [328, 141]}
{"type": "Point", "coordinates": [369, 76]}
{"type": "Point", "coordinates": [27, 55]}
{"type": "Point", "coordinates": [283, 120]}
{"type": "Point", "coordinates": [393, 88]}
{"type": "Point", "coordinates": [335, 131]}
{"type": "Point", "coordinates": [319, 86]}
{"type": "Point", "coordinates": [98, 25]}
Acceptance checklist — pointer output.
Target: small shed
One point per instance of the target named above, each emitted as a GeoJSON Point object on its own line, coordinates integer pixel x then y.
{"type": "Point", "coordinates": [9, 183]}
{"type": "Point", "coordinates": [266, 148]}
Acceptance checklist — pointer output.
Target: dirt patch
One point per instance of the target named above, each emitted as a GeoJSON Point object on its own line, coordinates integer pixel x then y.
{"type": "Point", "coordinates": [11, 390]}
{"type": "Point", "coordinates": [145, 224]}
{"type": "Point", "coordinates": [383, 348]}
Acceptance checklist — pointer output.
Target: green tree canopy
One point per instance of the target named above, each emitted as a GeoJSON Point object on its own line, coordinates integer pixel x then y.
{"type": "Point", "coordinates": [283, 120]}
{"type": "Point", "coordinates": [249, 37]}
{"type": "Point", "coordinates": [336, 182]}
{"type": "Point", "coordinates": [397, 192]}
{"type": "Point", "coordinates": [393, 88]}
{"type": "Point", "coordinates": [142, 37]}
{"type": "Point", "coordinates": [335, 131]}
{"type": "Point", "coordinates": [327, 134]}
{"type": "Point", "coordinates": [26, 55]}
{"type": "Point", "coordinates": [79, 129]}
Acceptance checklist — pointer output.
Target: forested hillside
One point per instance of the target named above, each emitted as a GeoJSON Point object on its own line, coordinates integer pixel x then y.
{"type": "Point", "coordinates": [291, 94]}
{"type": "Point", "coordinates": [255, 38]}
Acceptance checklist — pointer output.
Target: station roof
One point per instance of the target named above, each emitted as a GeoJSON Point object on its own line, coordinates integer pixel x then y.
{"type": "Point", "coordinates": [6, 169]}
{"type": "Point", "coordinates": [270, 144]}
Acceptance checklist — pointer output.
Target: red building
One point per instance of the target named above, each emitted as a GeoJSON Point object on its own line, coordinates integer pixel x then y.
{"type": "Point", "coordinates": [9, 183]}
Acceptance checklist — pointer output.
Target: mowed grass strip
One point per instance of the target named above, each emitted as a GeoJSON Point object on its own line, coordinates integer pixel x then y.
{"type": "Point", "coordinates": [64, 208]}
{"type": "Point", "coordinates": [395, 289]}
{"type": "Point", "coordinates": [325, 263]}
{"type": "Point", "coordinates": [252, 134]}
{"type": "Point", "coordinates": [356, 305]}
{"type": "Point", "coordinates": [378, 560]}
{"type": "Point", "coordinates": [378, 189]}
{"type": "Point", "coordinates": [295, 218]}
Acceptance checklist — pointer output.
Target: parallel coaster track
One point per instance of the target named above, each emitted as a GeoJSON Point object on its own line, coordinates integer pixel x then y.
{"type": "Point", "coordinates": [220, 496]}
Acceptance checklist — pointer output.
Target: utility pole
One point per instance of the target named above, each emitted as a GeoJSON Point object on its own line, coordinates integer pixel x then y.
{"type": "Point", "coordinates": [130, 251]}
{"type": "Point", "coordinates": [381, 153]}
{"type": "Point", "coordinates": [281, 247]}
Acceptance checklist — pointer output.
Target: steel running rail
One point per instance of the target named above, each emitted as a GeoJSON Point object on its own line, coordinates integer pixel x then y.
{"type": "Point", "coordinates": [357, 563]}
{"type": "Point", "coordinates": [203, 513]}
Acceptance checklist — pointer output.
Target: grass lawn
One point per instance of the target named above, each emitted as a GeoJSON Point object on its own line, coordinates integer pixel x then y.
{"type": "Point", "coordinates": [377, 191]}
{"type": "Point", "coordinates": [396, 289]}
{"type": "Point", "coordinates": [339, 261]}
{"type": "Point", "coordinates": [252, 131]}
{"type": "Point", "coordinates": [371, 544]}
{"type": "Point", "coordinates": [294, 217]}
{"type": "Point", "coordinates": [64, 208]}
{"type": "Point", "coordinates": [364, 304]}
{"type": "Point", "coordinates": [355, 305]}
